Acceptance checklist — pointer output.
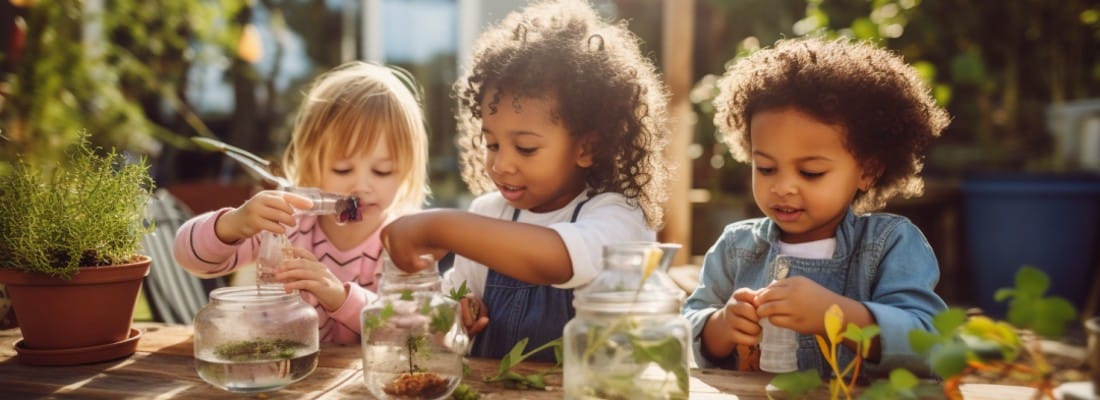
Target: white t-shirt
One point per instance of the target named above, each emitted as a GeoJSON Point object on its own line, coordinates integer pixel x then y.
{"type": "Point", "coordinates": [816, 250]}
{"type": "Point", "coordinates": [605, 218]}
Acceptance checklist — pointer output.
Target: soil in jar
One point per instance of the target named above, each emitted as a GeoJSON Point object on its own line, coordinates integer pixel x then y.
{"type": "Point", "coordinates": [417, 385]}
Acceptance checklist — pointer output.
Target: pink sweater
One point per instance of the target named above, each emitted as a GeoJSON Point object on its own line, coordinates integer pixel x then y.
{"type": "Point", "coordinates": [201, 253]}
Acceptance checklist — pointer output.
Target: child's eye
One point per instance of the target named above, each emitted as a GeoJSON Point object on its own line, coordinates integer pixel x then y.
{"type": "Point", "coordinates": [341, 171]}
{"type": "Point", "coordinates": [493, 147]}
{"type": "Point", "coordinates": [765, 170]}
{"type": "Point", "coordinates": [811, 175]}
{"type": "Point", "coordinates": [526, 150]}
{"type": "Point", "coordinates": [382, 173]}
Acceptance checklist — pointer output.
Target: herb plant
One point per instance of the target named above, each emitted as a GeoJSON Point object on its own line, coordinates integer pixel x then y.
{"type": "Point", "coordinates": [87, 212]}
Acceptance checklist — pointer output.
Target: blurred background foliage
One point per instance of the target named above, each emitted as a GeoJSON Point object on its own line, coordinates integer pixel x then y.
{"type": "Point", "coordinates": [112, 68]}
{"type": "Point", "coordinates": [996, 67]}
{"type": "Point", "coordinates": [125, 71]}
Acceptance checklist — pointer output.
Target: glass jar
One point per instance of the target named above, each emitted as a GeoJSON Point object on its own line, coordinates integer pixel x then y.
{"type": "Point", "coordinates": [413, 340]}
{"type": "Point", "coordinates": [628, 339]}
{"type": "Point", "coordinates": [255, 338]}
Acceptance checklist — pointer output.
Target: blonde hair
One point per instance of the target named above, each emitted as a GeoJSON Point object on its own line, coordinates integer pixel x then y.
{"type": "Point", "coordinates": [346, 112]}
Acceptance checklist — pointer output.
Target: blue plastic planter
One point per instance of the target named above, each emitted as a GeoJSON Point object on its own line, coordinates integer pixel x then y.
{"type": "Point", "coordinates": [1048, 221]}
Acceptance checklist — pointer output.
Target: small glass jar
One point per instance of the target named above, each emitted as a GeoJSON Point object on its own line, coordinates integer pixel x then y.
{"type": "Point", "coordinates": [628, 339]}
{"type": "Point", "coordinates": [255, 338]}
{"type": "Point", "coordinates": [413, 340]}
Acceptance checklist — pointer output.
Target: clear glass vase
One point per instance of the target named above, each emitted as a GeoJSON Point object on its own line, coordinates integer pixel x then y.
{"type": "Point", "coordinates": [250, 339]}
{"type": "Point", "coordinates": [628, 340]}
{"type": "Point", "coordinates": [413, 340]}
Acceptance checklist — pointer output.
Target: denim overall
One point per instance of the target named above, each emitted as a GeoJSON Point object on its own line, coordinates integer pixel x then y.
{"type": "Point", "coordinates": [520, 310]}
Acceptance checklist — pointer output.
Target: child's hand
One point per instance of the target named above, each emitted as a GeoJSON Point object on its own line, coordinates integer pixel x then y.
{"type": "Point", "coordinates": [796, 303]}
{"type": "Point", "coordinates": [740, 317]}
{"type": "Point", "coordinates": [302, 271]}
{"type": "Point", "coordinates": [474, 315]}
{"type": "Point", "coordinates": [406, 240]}
{"type": "Point", "coordinates": [268, 210]}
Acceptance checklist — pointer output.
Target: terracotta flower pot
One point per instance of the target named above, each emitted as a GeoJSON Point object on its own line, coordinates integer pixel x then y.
{"type": "Point", "coordinates": [92, 309]}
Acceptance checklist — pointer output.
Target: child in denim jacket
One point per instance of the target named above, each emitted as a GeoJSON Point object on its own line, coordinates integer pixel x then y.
{"type": "Point", "coordinates": [833, 129]}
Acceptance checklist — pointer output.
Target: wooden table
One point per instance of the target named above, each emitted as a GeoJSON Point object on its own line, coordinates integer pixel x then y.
{"type": "Point", "coordinates": [163, 368]}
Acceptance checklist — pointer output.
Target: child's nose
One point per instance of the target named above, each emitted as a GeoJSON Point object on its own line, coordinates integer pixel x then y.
{"type": "Point", "coordinates": [501, 163]}
{"type": "Point", "coordinates": [785, 186]}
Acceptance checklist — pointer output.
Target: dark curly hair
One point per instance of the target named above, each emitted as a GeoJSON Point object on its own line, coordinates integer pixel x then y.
{"type": "Point", "coordinates": [886, 110]}
{"type": "Point", "coordinates": [602, 85]}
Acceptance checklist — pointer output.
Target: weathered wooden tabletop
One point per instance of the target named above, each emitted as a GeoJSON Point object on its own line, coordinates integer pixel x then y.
{"type": "Point", "coordinates": [164, 368]}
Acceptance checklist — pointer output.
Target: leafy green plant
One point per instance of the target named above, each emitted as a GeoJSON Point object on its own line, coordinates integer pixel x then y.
{"type": "Point", "coordinates": [508, 375]}
{"type": "Point", "coordinates": [110, 68]}
{"type": "Point", "coordinates": [802, 382]}
{"type": "Point", "coordinates": [999, 350]}
{"type": "Point", "coordinates": [87, 212]}
{"type": "Point", "coordinates": [960, 348]}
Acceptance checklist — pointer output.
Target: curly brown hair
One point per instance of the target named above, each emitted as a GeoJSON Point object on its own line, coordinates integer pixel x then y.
{"type": "Point", "coordinates": [603, 86]}
{"type": "Point", "coordinates": [885, 109]}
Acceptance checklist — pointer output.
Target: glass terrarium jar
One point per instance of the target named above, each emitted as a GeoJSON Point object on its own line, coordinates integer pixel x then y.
{"type": "Point", "coordinates": [255, 338]}
{"type": "Point", "coordinates": [413, 341]}
{"type": "Point", "coordinates": [628, 340]}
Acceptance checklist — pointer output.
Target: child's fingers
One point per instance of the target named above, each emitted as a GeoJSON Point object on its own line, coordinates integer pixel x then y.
{"type": "Point", "coordinates": [478, 326]}
{"type": "Point", "coordinates": [296, 201]}
{"type": "Point", "coordinates": [298, 252]}
{"type": "Point", "coordinates": [745, 295]}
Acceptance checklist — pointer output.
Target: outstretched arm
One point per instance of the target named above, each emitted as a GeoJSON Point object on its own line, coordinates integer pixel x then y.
{"type": "Point", "coordinates": [530, 253]}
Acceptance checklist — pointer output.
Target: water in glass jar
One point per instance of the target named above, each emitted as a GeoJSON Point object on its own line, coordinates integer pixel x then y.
{"type": "Point", "coordinates": [255, 375]}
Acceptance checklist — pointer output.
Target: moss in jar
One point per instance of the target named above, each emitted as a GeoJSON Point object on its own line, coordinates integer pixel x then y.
{"type": "Point", "coordinates": [417, 384]}
{"type": "Point", "coordinates": [258, 349]}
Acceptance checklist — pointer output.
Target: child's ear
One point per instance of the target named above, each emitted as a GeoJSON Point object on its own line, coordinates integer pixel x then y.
{"type": "Point", "coordinates": [870, 174]}
{"type": "Point", "coordinates": [584, 152]}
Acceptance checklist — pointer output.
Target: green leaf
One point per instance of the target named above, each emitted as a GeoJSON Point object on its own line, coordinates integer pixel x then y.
{"type": "Point", "coordinates": [372, 322]}
{"type": "Point", "coordinates": [949, 360]}
{"type": "Point", "coordinates": [1052, 315]}
{"type": "Point", "coordinates": [1003, 294]}
{"type": "Point", "coordinates": [1032, 281]}
{"type": "Point", "coordinates": [923, 341]}
{"type": "Point", "coordinates": [903, 379]}
{"type": "Point", "coordinates": [947, 321]}
{"type": "Point", "coordinates": [797, 384]}
{"type": "Point", "coordinates": [406, 295]}
{"type": "Point", "coordinates": [968, 68]}
{"type": "Point", "coordinates": [460, 293]}
{"type": "Point", "coordinates": [443, 318]}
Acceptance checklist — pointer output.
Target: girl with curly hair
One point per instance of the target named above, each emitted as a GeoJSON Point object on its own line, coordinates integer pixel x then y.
{"type": "Point", "coordinates": [562, 124]}
{"type": "Point", "coordinates": [832, 129]}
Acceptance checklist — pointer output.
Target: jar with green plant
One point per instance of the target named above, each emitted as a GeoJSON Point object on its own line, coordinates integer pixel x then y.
{"type": "Point", "coordinates": [74, 224]}
{"type": "Point", "coordinates": [412, 342]}
{"type": "Point", "coordinates": [628, 340]}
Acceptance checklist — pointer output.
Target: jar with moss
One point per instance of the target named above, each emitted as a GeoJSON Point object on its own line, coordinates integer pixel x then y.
{"type": "Point", "coordinates": [413, 341]}
{"type": "Point", "coordinates": [628, 339]}
{"type": "Point", "coordinates": [255, 339]}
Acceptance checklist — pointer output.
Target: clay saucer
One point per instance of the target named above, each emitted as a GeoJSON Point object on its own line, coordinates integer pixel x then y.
{"type": "Point", "coordinates": [80, 355]}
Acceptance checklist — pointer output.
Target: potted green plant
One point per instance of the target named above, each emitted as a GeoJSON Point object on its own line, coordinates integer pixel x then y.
{"type": "Point", "coordinates": [70, 237]}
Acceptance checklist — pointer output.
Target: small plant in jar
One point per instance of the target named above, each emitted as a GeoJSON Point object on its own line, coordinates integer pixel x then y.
{"type": "Point", "coordinates": [412, 344]}
{"type": "Point", "coordinates": [628, 340]}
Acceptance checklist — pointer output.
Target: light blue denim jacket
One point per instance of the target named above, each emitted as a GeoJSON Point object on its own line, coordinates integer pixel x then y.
{"type": "Point", "coordinates": [881, 260]}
